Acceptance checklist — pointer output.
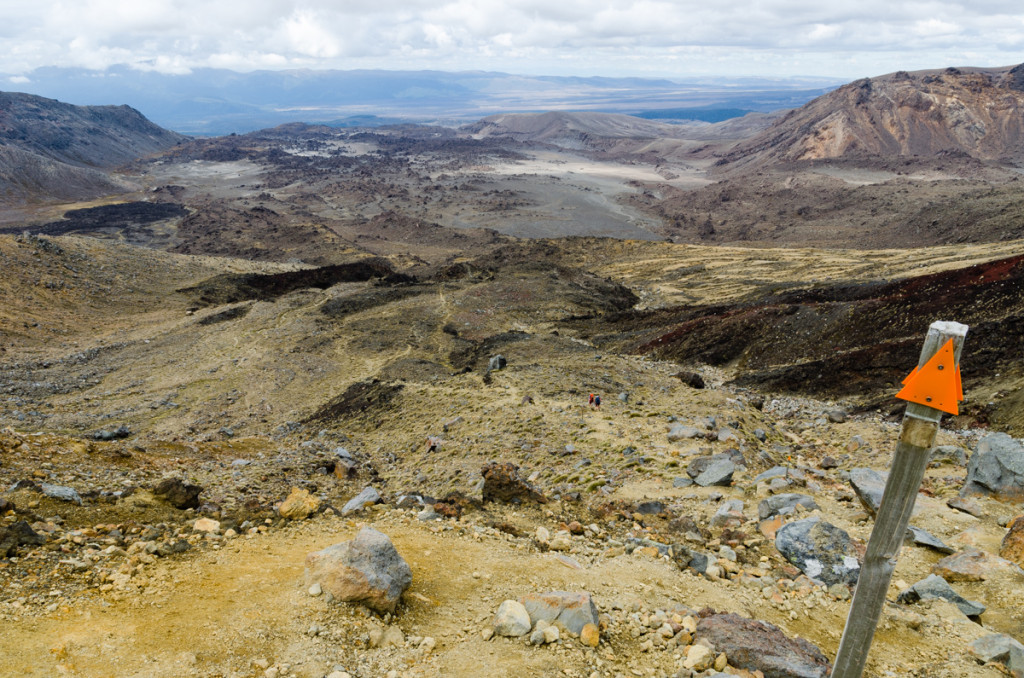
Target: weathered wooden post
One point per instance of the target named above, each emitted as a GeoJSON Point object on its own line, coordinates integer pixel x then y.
{"type": "Point", "coordinates": [933, 388]}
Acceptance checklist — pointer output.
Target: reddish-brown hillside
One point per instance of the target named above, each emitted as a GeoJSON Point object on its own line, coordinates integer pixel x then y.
{"type": "Point", "coordinates": [972, 111]}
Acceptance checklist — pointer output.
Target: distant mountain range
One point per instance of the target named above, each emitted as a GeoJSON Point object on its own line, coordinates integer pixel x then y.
{"type": "Point", "coordinates": [212, 102]}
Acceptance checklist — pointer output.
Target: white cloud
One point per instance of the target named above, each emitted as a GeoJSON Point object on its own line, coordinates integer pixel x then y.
{"type": "Point", "coordinates": [665, 37]}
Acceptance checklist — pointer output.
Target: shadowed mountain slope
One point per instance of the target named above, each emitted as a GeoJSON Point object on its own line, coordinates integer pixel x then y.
{"type": "Point", "coordinates": [49, 149]}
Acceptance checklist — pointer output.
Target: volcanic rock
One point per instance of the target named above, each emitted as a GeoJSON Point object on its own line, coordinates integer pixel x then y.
{"type": "Point", "coordinates": [821, 550]}
{"type": "Point", "coordinates": [996, 468]}
{"type": "Point", "coordinates": [933, 586]}
{"type": "Point", "coordinates": [511, 619]}
{"type": "Point", "coordinates": [366, 570]}
{"type": "Point", "coordinates": [18, 534]}
{"type": "Point", "coordinates": [178, 493]}
{"type": "Point", "coordinates": [784, 504]}
{"type": "Point", "coordinates": [368, 497]}
{"type": "Point", "coordinates": [502, 483]}
{"type": "Point", "coordinates": [1012, 546]}
{"type": "Point", "coordinates": [691, 379]}
{"type": "Point", "coordinates": [571, 610]}
{"type": "Point", "coordinates": [60, 492]}
{"type": "Point", "coordinates": [869, 486]}
{"type": "Point", "coordinates": [925, 538]}
{"type": "Point", "coordinates": [298, 505]}
{"type": "Point", "coordinates": [759, 646]}
{"type": "Point", "coordinates": [1000, 648]}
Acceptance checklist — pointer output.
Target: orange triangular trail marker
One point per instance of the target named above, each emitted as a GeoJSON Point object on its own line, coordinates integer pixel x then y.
{"type": "Point", "coordinates": [936, 384]}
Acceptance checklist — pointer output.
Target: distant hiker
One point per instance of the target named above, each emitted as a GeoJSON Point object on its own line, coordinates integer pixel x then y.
{"type": "Point", "coordinates": [433, 444]}
{"type": "Point", "coordinates": [591, 401]}
{"type": "Point", "coordinates": [597, 402]}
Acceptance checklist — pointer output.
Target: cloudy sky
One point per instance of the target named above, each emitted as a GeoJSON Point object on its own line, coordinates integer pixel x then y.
{"type": "Point", "coordinates": [673, 38]}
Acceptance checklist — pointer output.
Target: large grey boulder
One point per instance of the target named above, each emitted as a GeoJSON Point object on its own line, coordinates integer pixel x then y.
{"type": "Point", "coordinates": [683, 432]}
{"type": "Point", "coordinates": [996, 468]}
{"type": "Point", "coordinates": [821, 550]}
{"type": "Point", "coordinates": [366, 570]}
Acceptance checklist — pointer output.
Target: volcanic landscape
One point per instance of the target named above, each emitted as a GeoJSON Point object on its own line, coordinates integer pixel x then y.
{"type": "Point", "coordinates": [221, 355]}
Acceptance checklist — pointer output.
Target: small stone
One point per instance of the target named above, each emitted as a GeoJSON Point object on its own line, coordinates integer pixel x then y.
{"type": "Point", "coordinates": [869, 485]}
{"type": "Point", "coordinates": [367, 497]}
{"type": "Point", "coordinates": [1012, 546]}
{"type": "Point", "coordinates": [428, 644]}
{"type": "Point", "coordinates": [298, 505]}
{"type": "Point", "coordinates": [590, 635]}
{"type": "Point", "coordinates": [393, 637]}
{"type": "Point", "coordinates": [996, 468]}
{"type": "Point", "coordinates": [925, 538]}
{"type": "Point", "coordinates": [721, 661]}
{"type": "Point", "coordinates": [966, 506]}
{"type": "Point", "coordinates": [206, 525]}
{"type": "Point", "coordinates": [934, 586]}
{"type": "Point", "coordinates": [315, 590]}
{"type": "Point", "coordinates": [551, 634]}
{"type": "Point", "coordinates": [487, 634]}
{"type": "Point", "coordinates": [511, 619]}
{"type": "Point", "coordinates": [699, 658]}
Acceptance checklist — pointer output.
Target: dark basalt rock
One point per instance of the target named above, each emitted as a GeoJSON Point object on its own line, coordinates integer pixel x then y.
{"type": "Point", "coordinates": [178, 493]}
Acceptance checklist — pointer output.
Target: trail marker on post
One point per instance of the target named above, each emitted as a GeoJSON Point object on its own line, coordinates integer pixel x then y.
{"type": "Point", "coordinates": [931, 389]}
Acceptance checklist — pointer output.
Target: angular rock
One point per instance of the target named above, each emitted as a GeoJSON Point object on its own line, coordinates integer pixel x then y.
{"type": "Point", "coordinates": [869, 486]}
{"type": "Point", "coordinates": [366, 570]}
{"type": "Point", "coordinates": [729, 514]}
{"type": "Point", "coordinates": [6, 505]}
{"type": "Point", "coordinates": [836, 416]}
{"type": "Point", "coordinates": [821, 550]}
{"type": "Point", "coordinates": [1002, 649]}
{"type": "Point", "coordinates": [502, 483]}
{"type": "Point", "coordinates": [691, 379]}
{"type": "Point", "coordinates": [685, 557]}
{"type": "Point", "coordinates": [681, 432]}
{"type": "Point", "coordinates": [298, 505]}
{"type": "Point", "coordinates": [933, 586]}
{"type": "Point", "coordinates": [969, 564]}
{"type": "Point", "coordinates": [496, 362]}
{"type": "Point", "coordinates": [206, 525]}
{"type": "Point", "coordinates": [1012, 546]}
{"type": "Point", "coordinates": [701, 464]}
{"type": "Point", "coordinates": [964, 505]}
{"type": "Point", "coordinates": [949, 454]}
{"type": "Point", "coordinates": [784, 504]}
{"type": "Point", "coordinates": [571, 610]}
{"type": "Point", "coordinates": [759, 646]}
{"type": "Point", "coordinates": [18, 534]}
{"type": "Point", "coordinates": [178, 493]}
{"type": "Point", "coordinates": [925, 538]}
{"type": "Point", "coordinates": [996, 468]}
{"type": "Point", "coordinates": [60, 492]}
{"type": "Point", "coordinates": [511, 620]}
{"type": "Point", "coordinates": [718, 473]}
{"type": "Point", "coordinates": [368, 497]}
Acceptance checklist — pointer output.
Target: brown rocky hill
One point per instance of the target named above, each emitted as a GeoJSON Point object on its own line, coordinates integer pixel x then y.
{"type": "Point", "coordinates": [971, 111]}
{"type": "Point", "coordinates": [50, 149]}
